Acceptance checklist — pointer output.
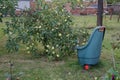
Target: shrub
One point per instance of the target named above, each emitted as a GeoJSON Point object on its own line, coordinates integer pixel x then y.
{"type": "Point", "coordinates": [50, 26]}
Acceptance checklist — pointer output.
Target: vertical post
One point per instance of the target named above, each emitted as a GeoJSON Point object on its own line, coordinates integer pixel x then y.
{"type": "Point", "coordinates": [100, 13]}
{"type": "Point", "coordinates": [11, 74]}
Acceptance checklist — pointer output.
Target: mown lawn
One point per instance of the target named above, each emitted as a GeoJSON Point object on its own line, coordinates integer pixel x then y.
{"type": "Point", "coordinates": [68, 68]}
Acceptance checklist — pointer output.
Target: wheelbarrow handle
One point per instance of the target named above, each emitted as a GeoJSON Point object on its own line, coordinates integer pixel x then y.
{"type": "Point", "coordinates": [101, 29]}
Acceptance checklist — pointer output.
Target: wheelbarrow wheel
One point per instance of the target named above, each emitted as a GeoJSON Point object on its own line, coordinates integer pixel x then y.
{"type": "Point", "coordinates": [86, 67]}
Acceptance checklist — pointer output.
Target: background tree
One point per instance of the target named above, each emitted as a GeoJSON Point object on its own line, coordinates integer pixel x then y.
{"type": "Point", "coordinates": [113, 8]}
{"type": "Point", "coordinates": [112, 1]}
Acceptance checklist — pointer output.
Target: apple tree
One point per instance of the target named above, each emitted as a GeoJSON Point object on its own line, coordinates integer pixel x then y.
{"type": "Point", "coordinates": [50, 26]}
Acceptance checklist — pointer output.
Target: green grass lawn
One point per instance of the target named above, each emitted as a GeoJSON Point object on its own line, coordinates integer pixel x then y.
{"type": "Point", "coordinates": [68, 68]}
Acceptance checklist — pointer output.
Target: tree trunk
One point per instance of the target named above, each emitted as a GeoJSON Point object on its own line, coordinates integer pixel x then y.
{"type": "Point", "coordinates": [110, 16]}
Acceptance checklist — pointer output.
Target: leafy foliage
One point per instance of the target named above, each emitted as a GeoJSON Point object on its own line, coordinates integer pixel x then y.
{"type": "Point", "coordinates": [112, 1]}
{"type": "Point", "coordinates": [112, 75]}
{"type": "Point", "coordinates": [74, 3]}
{"type": "Point", "coordinates": [115, 41]}
{"type": "Point", "coordinates": [49, 25]}
{"type": "Point", "coordinates": [7, 7]}
{"type": "Point", "coordinates": [82, 36]}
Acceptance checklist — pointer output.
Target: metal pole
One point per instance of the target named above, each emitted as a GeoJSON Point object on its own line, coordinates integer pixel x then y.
{"type": "Point", "coordinates": [100, 13]}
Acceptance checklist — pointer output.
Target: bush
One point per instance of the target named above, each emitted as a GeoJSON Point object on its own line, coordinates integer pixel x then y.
{"type": "Point", "coordinates": [50, 26]}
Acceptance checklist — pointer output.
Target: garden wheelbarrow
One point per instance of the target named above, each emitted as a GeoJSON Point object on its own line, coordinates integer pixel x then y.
{"type": "Point", "coordinates": [89, 54]}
